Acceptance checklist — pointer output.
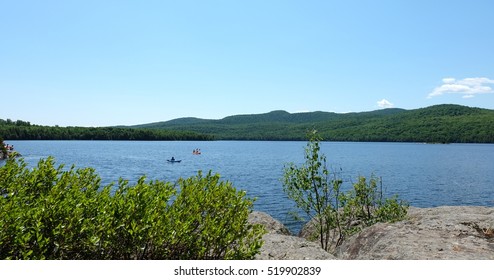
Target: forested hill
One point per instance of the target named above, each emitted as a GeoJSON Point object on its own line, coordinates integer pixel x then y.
{"type": "Point", "coordinates": [435, 124]}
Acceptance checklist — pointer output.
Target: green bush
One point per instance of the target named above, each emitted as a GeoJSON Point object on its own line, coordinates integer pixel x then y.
{"type": "Point", "coordinates": [52, 213]}
{"type": "Point", "coordinates": [336, 214]}
{"type": "Point", "coordinates": [3, 149]}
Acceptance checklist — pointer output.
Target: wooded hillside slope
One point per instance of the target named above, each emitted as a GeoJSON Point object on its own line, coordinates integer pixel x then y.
{"type": "Point", "coordinates": [435, 124]}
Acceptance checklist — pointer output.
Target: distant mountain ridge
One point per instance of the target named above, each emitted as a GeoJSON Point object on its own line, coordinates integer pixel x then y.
{"type": "Point", "coordinates": [279, 116]}
{"type": "Point", "coordinates": [438, 124]}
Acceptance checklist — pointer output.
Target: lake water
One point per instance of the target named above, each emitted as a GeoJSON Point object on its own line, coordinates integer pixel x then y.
{"type": "Point", "coordinates": [424, 175]}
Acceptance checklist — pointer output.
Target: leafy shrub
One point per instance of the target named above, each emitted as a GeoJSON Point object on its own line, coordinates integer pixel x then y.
{"type": "Point", "coordinates": [208, 228]}
{"type": "Point", "coordinates": [3, 149]}
{"type": "Point", "coordinates": [336, 214]}
{"type": "Point", "coordinates": [52, 213]}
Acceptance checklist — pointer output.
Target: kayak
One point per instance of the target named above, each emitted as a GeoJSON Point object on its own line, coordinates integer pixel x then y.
{"type": "Point", "coordinates": [173, 161]}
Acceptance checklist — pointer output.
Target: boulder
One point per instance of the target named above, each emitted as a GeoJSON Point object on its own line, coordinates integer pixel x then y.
{"type": "Point", "coordinates": [270, 224]}
{"type": "Point", "coordinates": [285, 247]}
{"type": "Point", "coordinates": [441, 233]}
{"type": "Point", "coordinates": [310, 232]}
{"type": "Point", "coordinates": [280, 245]}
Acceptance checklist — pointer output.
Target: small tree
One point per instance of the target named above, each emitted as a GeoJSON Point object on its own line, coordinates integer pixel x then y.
{"type": "Point", "coordinates": [336, 214]}
{"type": "Point", "coordinates": [314, 190]}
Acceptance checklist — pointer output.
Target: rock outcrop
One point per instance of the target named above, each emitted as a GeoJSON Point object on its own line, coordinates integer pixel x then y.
{"type": "Point", "coordinates": [279, 244]}
{"type": "Point", "coordinates": [270, 224]}
{"type": "Point", "coordinates": [441, 233]}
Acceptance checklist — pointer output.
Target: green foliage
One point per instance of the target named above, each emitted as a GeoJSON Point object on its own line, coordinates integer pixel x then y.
{"type": "Point", "coordinates": [53, 213]}
{"type": "Point", "coordinates": [438, 124]}
{"type": "Point", "coordinates": [214, 223]}
{"type": "Point", "coordinates": [337, 214]}
{"type": "Point", "coordinates": [313, 190]}
{"type": "Point", "coordinates": [3, 149]}
{"type": "Point", "coordinates": [20, 130]}
{"type": "Point", "coordinates": [435, 124]}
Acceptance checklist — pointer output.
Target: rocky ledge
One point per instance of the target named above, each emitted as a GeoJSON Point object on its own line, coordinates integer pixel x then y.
{"type": "Point", "coordinates": [441, 233]}
{"type": "Point", "coordinates": [279, 244]}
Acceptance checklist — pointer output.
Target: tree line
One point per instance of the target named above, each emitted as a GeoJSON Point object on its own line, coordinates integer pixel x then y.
{"type": "Point", "coordinates": [435, 124]}
{"type": "Point", "coordinates": [22, 130]}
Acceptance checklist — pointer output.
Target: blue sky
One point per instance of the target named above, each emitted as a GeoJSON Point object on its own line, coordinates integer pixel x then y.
{"type": "Point", "coordinates": [101, 63]}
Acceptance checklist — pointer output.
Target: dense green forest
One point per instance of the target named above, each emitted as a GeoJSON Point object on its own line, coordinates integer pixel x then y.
{"type": "Point", "coordinates": [435, 124]}
{"type": "Point", "coordinates": [22, 130]}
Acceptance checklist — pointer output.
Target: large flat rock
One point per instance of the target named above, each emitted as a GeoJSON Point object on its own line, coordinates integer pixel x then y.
{"type": "Point", "coordinates": [286, 247]}
{"type": "Point", "coordinates": [442, 233]}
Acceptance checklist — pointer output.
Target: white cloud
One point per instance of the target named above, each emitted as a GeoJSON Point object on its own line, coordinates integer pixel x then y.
{"type": "Point", "coordinates": [385, 104]}
{"type": "Point", "coordinates": [469, 87]}
{"type": "Point", "coordinates": [449, 80]}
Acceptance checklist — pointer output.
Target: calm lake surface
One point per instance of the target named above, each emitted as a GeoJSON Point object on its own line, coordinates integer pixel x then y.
{"type": "Point", "coordinates": [424, 175]}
